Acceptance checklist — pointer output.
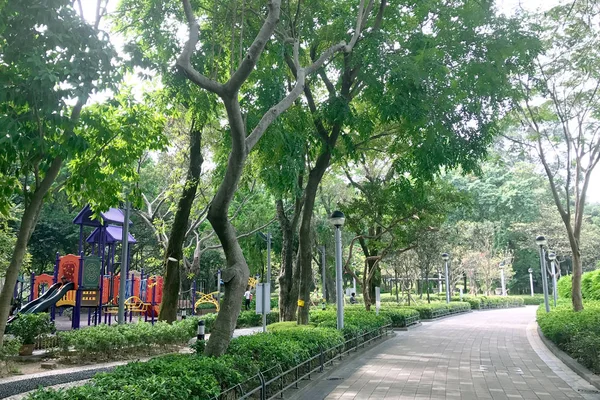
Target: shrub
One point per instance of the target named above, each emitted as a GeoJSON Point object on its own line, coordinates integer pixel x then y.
{"type": "Point", "coordinates": [399, 316]}
{"type": "Point", "coordinates": [29, 327]}
{"type": "Point", "coordinates": [565, 286]}
{"type": "Point", "coordinates": [431, 311]}
{"type": "Point", "coordinates": [577, 333]}
{"type": "Point", "coordinates": [590, 285]}
{"type": "Point", "coordinates": [106, 341]}
{"type": "Point", "coordinates": [285, 326]}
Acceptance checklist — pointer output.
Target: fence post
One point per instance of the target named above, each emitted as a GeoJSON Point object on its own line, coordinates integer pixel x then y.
{"type": "Point", "coordinates": [321, 358]}
{"type": "Point", "coordinates": [263, 387]}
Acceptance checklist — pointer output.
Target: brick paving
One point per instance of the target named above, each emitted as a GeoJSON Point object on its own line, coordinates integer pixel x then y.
{"type": "Point", "coordinates": [480, 355]}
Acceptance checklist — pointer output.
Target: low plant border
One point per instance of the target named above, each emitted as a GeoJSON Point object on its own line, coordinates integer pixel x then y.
{"type": "Point", "coordinates": [334, 353]}
{"type": "Point", "coordinates": [569, 361]}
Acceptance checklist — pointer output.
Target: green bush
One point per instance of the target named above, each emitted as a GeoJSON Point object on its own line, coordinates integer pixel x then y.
{"type": "Point", "coordinates": [565, 286]}
{"type": "Point", "coordinates": [590, 285]}
{"type": "Point", "coordinates": [104, 341]}
{"type": "Point", "coordinates": [431, 311]}
{"type": "Point", "coordinates": [399, 316]}
{"type": "Point", "coordinates": [28, 327]}
{"type": "Point", "coordinates": [285, 326]}
{"type": "Point", "coordinates": [577, 333]}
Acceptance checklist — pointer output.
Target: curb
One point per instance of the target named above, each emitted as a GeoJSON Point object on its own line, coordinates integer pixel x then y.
{"type": "Point", "coordinates": [409, 328]}
{"type": "Point", "coordinates": [446, 316]}
{"type": "Point", "coordinates": [570, 362]}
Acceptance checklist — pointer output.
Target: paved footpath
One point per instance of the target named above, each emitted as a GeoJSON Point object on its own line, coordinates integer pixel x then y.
{"type": "Point", "coordinates": [493, 355]}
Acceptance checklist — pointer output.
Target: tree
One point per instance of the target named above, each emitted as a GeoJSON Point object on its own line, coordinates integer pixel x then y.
{"type": "Point", "coordinates": [413, 70]}
{"type": "Point", "coordinates": [196, 66]}
{"type": "Point", "coordinates": [563, 129]}
{"type": "Point", "coordinates": [49, 55]}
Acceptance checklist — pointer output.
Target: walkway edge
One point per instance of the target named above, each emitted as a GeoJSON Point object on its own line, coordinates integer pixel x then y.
{"type": "Point", "coordinates": [570, 362]}
{"type": "Point", "coordinates": [298, 395]}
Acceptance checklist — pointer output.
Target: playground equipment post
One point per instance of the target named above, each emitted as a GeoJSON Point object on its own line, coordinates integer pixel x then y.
{"type": "Point", "coordinates": [124, 264]}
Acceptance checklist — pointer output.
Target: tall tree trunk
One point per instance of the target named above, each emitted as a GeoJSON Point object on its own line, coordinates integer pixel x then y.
{"type": "Point", "coordinates": [235, 275]}
{"type": "Point", "coordinates": [28, 222]}
{"type": "Point", "coordinates": [174, 253]}
{"type": "Point", "coordinates": [288, 288]}
{"type": "Point", "coordinates": [304, 261]}
{"type": "Point", "coordinates": [576, 296]}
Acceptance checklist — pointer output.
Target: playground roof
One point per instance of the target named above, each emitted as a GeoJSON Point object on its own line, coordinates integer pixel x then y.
{"type": "Point", "coordinates": [112, 234]}
{"type": "Point", "coordinates": [112, 216]}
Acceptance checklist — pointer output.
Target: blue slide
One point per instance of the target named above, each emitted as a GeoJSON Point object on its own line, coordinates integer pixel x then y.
{"type": "Point", "coordinates": [45, 301]}
{"type": "Point", "coordinates": [51, 290]}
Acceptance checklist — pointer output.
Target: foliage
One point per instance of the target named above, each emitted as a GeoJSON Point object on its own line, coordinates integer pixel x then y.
{"type": "Point", "coordinates": [9, 349]}
{"type": "Point", "coordinates": [565, 286]}
{"type": "Point", "coordinates": [181, 377]}
{"type": "Point", "coordinates": [590, 285]}
{"type": "Point", "coordinates": [577, 333]}
{"type": "Point", "coordinates": [104, 341]}
{"type": "Point", "coordinates": [29, 327]}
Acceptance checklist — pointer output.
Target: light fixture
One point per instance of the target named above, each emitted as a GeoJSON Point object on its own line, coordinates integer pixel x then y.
{"type": "Point", "coordinates": [541, 240]}
{"type": "Point", "coordinates": [530, 270]}
{"type": "Point", "coordinates": [337, 219]}
{"type": "Point", "coordinates": [445, 256]}
{"type": "Point", "coordinates": [551, 255]}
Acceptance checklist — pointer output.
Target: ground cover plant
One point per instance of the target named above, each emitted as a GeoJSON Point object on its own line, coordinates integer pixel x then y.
{"type": "Point", "coordinates": [577, 333]}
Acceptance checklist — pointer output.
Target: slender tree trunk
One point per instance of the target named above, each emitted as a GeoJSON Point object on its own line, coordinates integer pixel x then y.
{"type": "Point", "coordinates": [330, 283]}
{"type": "Point", "coordinates": [576, 296]}
{"type": "Point", "coordinates": [28, 222]}
{"type": "Point", "coordinates": [235, 276]}
{"type": "Point", "coordinates": [304, 261]}
{"type": "Point", "coordinates": [397, 294]}
{"type": "Point", "coordinates": [174, 253]}
{"type": "Point", "coordinates": [427, 285]}
{"type": "Point", "coordinates": [288, 290]}
{"type": "Point", "coordinates": [366, 286]}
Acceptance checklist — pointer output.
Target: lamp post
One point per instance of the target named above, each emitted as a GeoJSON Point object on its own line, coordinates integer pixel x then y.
{"type": "Point", "coordinates": [541, 242]}
{"type": "Point", "coordinates": [337, 219]}
{"type": "Point", "coordinates": [446, 257]}
{"type": "Point", "coordinates": [552, 257]}
{"type": "Point", "coordinates": [323, 266]}
{"type": "Point", "coordinates": [266, 287]}
{"type": "Point", "coordinates": [530, 270]}
{"type": "Point", "coordinates": [502, 278]}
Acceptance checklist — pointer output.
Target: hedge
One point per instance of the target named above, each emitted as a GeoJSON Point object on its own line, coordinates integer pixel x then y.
{"type": "Point", "coordinates": [104, 341]}
{"type": "Point", "coordinates": [183, 377]}
{"type": "Point", "coordinates": [590, 285]}
{"type": "Point", "coordinates": [485, 302]}
{"type": "Point", "coordinates": [577, 333]}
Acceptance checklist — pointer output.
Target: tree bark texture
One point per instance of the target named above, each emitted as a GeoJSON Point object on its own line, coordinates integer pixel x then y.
{"type": "Point", "coordinates": [28, 222]}
{"type": "Point", "coordinates": [174, 253]}
{"type": "Point", "coordinates": [288, 288]}
{"type": "Point", "coordinates": [305, 248]}
{"type": "Point", "coordinates": [235, 275]}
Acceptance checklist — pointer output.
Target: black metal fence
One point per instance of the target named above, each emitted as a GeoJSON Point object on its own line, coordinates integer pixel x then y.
{"type": "Point", "coordinates": [275, 381]}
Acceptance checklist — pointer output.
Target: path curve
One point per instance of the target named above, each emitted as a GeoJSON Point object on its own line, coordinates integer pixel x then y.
{"type": "Point", "coordinates": [486, 355]}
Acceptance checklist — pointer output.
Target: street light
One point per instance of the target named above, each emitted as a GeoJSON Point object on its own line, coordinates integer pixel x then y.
{"type": "Point", "coordinates": [502, 278]}
{"type": "Point", "coordinates": [530, 270]}
{"type": "Point", "coordinates": [541, 242]}
{"type": "Point", "coordinates": [337, 219]}
{"type": "Point", "coordinates": [446, 257]}
{"type": "Point", "coordinates": [552, 257]}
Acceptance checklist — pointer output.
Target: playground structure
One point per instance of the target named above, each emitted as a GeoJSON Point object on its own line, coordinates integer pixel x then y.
{"type": "Point", "coordinates": [213, 298]}
{"type": "Point", "coordinates": [91, 280]}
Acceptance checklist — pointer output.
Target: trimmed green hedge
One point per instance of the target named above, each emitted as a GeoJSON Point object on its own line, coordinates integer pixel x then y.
{"type": "Point", "coordinates": [577, 333]}
{"type": "Point", "coordinates": [104, 341]}
{"type": "Point", "coordinates": [486, 302]}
